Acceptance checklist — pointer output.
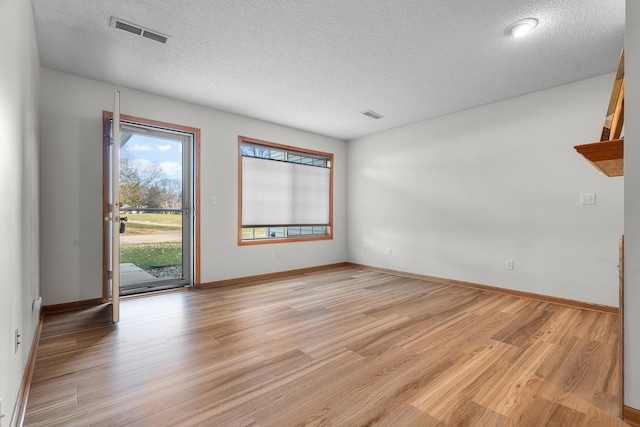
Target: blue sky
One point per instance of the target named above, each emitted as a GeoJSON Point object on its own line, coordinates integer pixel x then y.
{"type": "Point", "coordinates": [144, 150]}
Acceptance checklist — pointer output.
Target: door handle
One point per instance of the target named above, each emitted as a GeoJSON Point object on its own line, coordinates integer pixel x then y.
{"type": "Point", "coordinates": [123, 226]}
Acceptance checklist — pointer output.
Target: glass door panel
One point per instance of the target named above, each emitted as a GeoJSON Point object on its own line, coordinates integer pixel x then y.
{"type": "Point", "coordinates": [155, 215]}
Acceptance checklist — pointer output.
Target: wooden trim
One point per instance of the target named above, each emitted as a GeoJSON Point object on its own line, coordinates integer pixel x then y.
{"type": "Point", "coordinates": [606, 156]}
{"type": "Point", "coordinates": [249, 279]}
{"type": "Point", "coordinates": [631, 415]}
{"type": "Point", "coordinates": [106, 117]}
{"type": "Point", "coordinates": [239, 229]}
{"type": "Point", "coordinates": [283, 146]}
{"type": "Point", "coordinates": [618, 118]}
{"type": "Point", "coordinates": [328, 236]}
{"type": "Point", "coordinates": [71, 306]}
{"type": "Point", "coordinates": [452, 282]}
{"type": "Point", "coordinates": [23, 395]}
{"type": "Point", "coordinates": [602, 151]}
{"type": "Point", "coordinates": [615, 111]}
{"type": "Point", "coordinates": [283, 240]}
{"type": "Point", "coordinates": [511, 292]}
{"type": "Point", "coordinates": [156, 123]}
{"type": "Point", "coordinates": [621, 320]}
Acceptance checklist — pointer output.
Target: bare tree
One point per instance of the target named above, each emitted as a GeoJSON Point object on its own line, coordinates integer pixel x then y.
{"type": "Point", "coordinates": [148, 187]}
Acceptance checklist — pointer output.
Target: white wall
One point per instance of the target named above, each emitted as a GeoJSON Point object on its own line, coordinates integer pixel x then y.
{"type": "Point", "coordinates": [71, 180]}
{"type": "Point", "coordinates": [632, 205]}
{"type": "Point", "coordinates": [453, 197]}
{"type": "Point", "coordinates": [19, 94]}
{"type": "Point", "coordinates": [456, 196]}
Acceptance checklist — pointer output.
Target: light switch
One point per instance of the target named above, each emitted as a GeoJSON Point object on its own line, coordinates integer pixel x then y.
{"type": "Point", "coordinates": [214, 200]}
{"type": "Point", "coordinates": [588, 198]}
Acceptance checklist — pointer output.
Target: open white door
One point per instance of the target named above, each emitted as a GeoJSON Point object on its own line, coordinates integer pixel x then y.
{"type": "Point", "coordinates": [114, 202]}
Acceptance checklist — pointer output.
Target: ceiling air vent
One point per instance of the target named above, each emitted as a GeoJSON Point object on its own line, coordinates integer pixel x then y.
{"type": "Point", "coordinates": [138, 30]}
{"type": "Point", "coordinates": [372, 114]}
{"type": "Point", "coordinates": [154, 36]}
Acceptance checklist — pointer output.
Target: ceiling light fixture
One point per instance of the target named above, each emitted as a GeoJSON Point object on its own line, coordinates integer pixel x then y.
{"type": "Point", "coordinates": [521, 27]}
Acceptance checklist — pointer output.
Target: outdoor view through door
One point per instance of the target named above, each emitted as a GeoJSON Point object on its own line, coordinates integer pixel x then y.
{"type": "Point", "coordinates": [156, 227]}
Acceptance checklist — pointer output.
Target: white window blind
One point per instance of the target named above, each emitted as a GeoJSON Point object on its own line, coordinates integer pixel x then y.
{"type": "Point", "coordinates": [279, 193]}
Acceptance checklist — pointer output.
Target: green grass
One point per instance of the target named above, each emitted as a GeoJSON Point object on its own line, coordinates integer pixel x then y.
{"type": "Point", "coordinates": [158, 218]}
{"type": "Point", "coordinates": [134, 228]}
{"type": "Point", "coordinates": [152, 223]}
{"type": "Point", "coordinates": [145, 255]}
{"type": "Point", "coordinates": [254, 233]}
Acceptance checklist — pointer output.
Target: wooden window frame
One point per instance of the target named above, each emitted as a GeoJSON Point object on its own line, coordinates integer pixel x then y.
{"type": "Point", "coordinates": [327, 236]}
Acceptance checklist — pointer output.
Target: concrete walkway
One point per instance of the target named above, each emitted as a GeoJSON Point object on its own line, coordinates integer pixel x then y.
{"type": "Point", "coordinates": [131, 273]}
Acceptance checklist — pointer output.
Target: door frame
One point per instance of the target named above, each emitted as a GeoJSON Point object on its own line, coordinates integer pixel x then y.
{"type": "Point", "coordinates": [106, 127]}
{"type": "Point", "coordinates": [621, 321]}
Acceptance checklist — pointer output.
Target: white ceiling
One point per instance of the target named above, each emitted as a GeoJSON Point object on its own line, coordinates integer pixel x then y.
{"type": "Point", "coordinates": [315, 65]}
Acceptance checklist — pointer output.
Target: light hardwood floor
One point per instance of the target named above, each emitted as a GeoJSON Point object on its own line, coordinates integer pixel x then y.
{"type": "Point", "coordinates": [344, 347]}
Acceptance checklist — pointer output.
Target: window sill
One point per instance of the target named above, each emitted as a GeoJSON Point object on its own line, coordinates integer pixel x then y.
{"type": "Point", "coordinates": [283, 240]}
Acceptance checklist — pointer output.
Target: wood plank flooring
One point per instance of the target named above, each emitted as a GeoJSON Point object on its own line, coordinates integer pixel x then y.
{"type": "Point", "coordinates": [343, 347]}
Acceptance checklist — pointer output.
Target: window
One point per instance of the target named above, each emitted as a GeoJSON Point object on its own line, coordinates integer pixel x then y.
{"type": "Point", "coordinates": [285, 193]}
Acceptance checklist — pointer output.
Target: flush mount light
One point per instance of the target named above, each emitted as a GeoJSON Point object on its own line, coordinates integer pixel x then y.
{"type": "Point", "coordinates": [521, 27]}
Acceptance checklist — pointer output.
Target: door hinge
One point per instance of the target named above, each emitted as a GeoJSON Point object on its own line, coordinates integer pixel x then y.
{"type": "Point", "coordinates": [111, 141]}
{"type": "Point", "coordinates": [109, 274]}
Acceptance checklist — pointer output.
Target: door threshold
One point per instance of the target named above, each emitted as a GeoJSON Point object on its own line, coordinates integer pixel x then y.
{"type": "Point", "coordinates": [147, 289]}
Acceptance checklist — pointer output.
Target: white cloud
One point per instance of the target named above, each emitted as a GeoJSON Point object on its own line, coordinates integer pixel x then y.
{"type": "Point", "coordinates": [171, 168]}
{"type": "Point", "coordinates": [164, 148]}
{"type": "Point", "coordinates": [142, 164]}
{"type": "Point", "coordinates": [138, 147]}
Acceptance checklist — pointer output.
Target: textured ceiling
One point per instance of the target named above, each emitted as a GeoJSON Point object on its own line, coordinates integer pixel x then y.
{"type": "Point", "coordinates": [315, 65]}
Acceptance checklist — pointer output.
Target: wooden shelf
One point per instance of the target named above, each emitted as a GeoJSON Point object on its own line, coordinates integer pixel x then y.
{"type": "Point", "coordinates": [606, 156]}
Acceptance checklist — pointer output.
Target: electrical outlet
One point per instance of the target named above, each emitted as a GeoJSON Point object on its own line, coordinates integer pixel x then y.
{"type": "Point", "coordinates": [364, 248]}
{"type": "Point", "coordinates": [509, 264]}
{"type": "Point", "coordinates": [389, 251]}
{"type": "Point", "coordinates": [17, 339]}
{"type": "Point", "coordinates": [277, 253]}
